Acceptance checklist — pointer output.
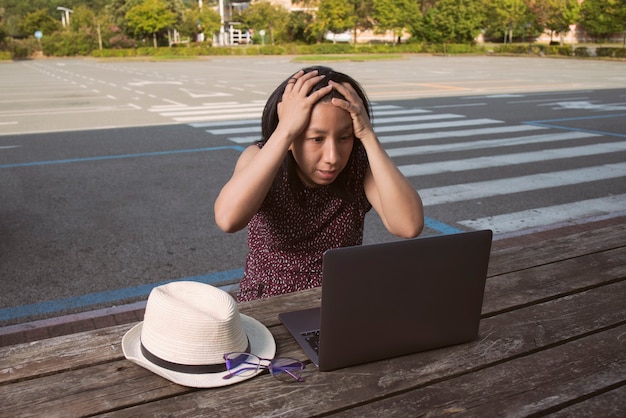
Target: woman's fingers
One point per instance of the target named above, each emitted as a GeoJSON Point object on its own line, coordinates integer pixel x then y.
{"type": "Point", "coordinates": [353, 105]}
{"type": "Point", "coordinates": [302, 83]}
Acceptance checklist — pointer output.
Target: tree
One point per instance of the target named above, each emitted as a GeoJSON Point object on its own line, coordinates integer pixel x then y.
{"type": "Point", "coordinates": [363, 12]}
{"type": "Point", "coordinates": [150, 17]}
{"type": "Point", "coordinates": [196, 21]}
{"type": "Point", "coordinates": [265, 16]}
{"type": "Point", "coordinates": [603, 18]}
{"type": "Point", "coordinates": [336, 16]}
{"type": "Point", "coordinates": [560, 15]}
{"type": "Point", "coordinates": [395, 15]}
{"type": "Point", "coordinates": [457, 21]}
{"type": "Point", "coordinates": [39, 21]}
{"type": "Point", "coordinates": [117, 10]}
{"type": "Point", "coordinates": [3, 31]}
{"type": "Point", "coordinates": [508, 18]}
{"type": "Point", "coordinates": [83, 18]}
{"type": "Point", "coordinates": [300, 27]}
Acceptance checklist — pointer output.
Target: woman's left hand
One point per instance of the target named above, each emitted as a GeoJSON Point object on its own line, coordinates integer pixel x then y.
{"type": "Point", "coordinates": [353, 105]}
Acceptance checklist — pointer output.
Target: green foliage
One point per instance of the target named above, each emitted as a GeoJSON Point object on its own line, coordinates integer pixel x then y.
{"type": "Point", "coordinates": [195, 21]}
{"type": "Point", "coordinates": [39, 21]}
{"type": "Point", "coordinates": [451, 21]}
{"type": "Point", "coordinates": [299, 28]}
{"type": "Point", "coordinates": [582, 52]}
{"type": "Point", "coordinates": [20, 48]}
{"type": "Point", "coordinates": [436, 26]}
{"type": "Point", "coordinates": [395, 15]}
{"type": "Point", "coordinates": [602, 18]}
{"type": "Point", "coordinates": [330, 50]}
{"type": "Point", "coordinates": [336, 16]}
{"type": "Point", "coordinates": [67, 44]}
{"type": "Point", "coordinates": [327, 49]}
{"type": "Point", "coordinates": [561, 14]}
{"type": "Point", "coordinates": [83, 18]}
{"type": "Point", "coordinates": [508, 19]}
{"type": "Point", "coordinates": [611, 52]}
{"type": "Point", "coordinates": [149, 17]}
{"type": "Point", "coordinates": [268, 17]}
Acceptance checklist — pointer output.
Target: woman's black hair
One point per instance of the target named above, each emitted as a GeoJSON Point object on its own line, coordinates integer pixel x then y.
{"type": "Point", "coordinates": [270, 121]}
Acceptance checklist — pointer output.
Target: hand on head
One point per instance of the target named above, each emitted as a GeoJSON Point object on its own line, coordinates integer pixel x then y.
{"type": "Point", "coordinates": [295, 108]}
{"type": "Point", "coordinates": [353, 105]}
{"type": "Point", "coordinates": [297, 102]}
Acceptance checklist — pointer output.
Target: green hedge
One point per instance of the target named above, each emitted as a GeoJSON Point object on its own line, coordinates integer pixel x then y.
{"type": "Point", "coordinates": [582, 52]}
{"type": "Point", "coordinates": [64, 43]}
{"type": "Point", "coordinates": [291, 49]}
{"type": "Point", "coordinates": [67, 44]}
{"type": "Point", "coordinates": [535, 49]}
{"type": "Point", "coordinates": [76, 44]}
{"type": "Point", "coordinates": [20, 48]}
{"type": "Point", "coordinates": [611, 52]}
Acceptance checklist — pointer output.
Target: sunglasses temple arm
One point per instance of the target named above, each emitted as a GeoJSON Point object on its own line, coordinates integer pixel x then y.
{"type": "Point", "coordinates": [236, 372]}
{"type": "Point", "coordinates": [295, 376]}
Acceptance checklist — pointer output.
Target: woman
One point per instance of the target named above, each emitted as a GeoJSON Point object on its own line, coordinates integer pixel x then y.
{"type": "Point", "coordinates": [306, 186]}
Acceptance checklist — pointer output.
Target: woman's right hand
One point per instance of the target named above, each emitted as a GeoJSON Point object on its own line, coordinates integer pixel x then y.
{"type": "Point", "coordinates": [294, 111]}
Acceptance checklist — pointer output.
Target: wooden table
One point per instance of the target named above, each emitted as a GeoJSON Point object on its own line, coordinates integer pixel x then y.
{"type": "Point", "coordinates": [552, 342]}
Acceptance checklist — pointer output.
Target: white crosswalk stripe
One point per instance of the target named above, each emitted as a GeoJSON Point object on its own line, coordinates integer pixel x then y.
{"type": "Point", "coordinates": [387, 139]}
{"type": "Point", "coordinates": [510, 159]}
{"type": "Point", "coordinates": [441, 136]}
{"type": "Point", "coordinates": [489, 188]}
{"type": "Point", "coordinates": [210, 111]}
{"type": "Point", "coordinates": [532, 218]}
{"type": "Point", "coordinates": [493, 143]}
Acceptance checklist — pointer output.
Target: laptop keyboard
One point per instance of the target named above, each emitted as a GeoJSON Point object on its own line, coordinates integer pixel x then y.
{"type": "Point", "coordinates": [313, 338]}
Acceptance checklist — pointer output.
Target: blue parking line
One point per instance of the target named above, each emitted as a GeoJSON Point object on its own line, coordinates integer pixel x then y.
{"type": "Point", "coordinates": [554, 123]}
{"type": "Point", "coordinates": [113, 296]}
{"type": "Point", "coordinates": [440, 226]}
{"type": "Point", "coordinates": [115, 157]}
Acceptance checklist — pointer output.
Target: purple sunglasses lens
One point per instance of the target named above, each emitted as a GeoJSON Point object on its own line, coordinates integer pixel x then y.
{"type": "Point", "coordinates": [286, 369]}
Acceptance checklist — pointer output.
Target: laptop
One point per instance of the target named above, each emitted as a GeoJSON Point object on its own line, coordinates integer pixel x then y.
{"type": "Point", "coordinates": [385, 300]}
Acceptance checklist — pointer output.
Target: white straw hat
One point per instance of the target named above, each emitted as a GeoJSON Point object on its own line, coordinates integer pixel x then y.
{"type": "Point", "coordinates": [187, 329]}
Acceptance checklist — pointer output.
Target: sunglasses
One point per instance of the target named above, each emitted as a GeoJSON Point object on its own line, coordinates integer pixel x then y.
{"type": "Point", "coordinates": [246, 364]}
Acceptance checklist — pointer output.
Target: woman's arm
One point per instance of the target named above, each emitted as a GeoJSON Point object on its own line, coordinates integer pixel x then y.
{"type": "Point", "coordinates": [243, 194]}
{"type": "Point", "coordinates": [392, 196]}
{"type": "Point", "coordinates": [256, 168]}
{"type": "Point", "coordinates": [397, 203]}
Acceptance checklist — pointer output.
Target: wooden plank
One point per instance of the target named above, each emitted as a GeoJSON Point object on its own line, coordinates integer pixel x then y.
{"type": "Point", "coordinates": [90, 390]}
{"type": "Point", "coordinates": [84, 391]}
{"type": "Point", "coordinates": [118, 385]}
{"type": "Point", "coordinates": [87, 390]}
{"type": "Point", "coordinates": [523, 287]}
{"type": "Point", "coordinates": [557, 249]}
{"type": "Point", "coordinates": [51, 355]}
{"type": "Point", "coordinates": [520, 387]}
{"type": "Point", "coordinates": [611, 404]}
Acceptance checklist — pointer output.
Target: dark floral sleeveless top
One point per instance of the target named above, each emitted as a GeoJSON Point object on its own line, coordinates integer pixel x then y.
{"type": "Point", "coordinates": [292, 229]}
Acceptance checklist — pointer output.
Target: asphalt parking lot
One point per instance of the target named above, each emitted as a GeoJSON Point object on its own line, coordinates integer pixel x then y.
{"type": "Point", "coordinates": [105, 192]}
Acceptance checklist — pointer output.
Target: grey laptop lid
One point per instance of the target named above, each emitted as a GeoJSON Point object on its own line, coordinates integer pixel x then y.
{"type": "Point", "coordinates": [385, 300]}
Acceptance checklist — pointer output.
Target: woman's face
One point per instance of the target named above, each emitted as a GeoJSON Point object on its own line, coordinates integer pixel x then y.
{"type": "Point", "coordinates": [322, 152]}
